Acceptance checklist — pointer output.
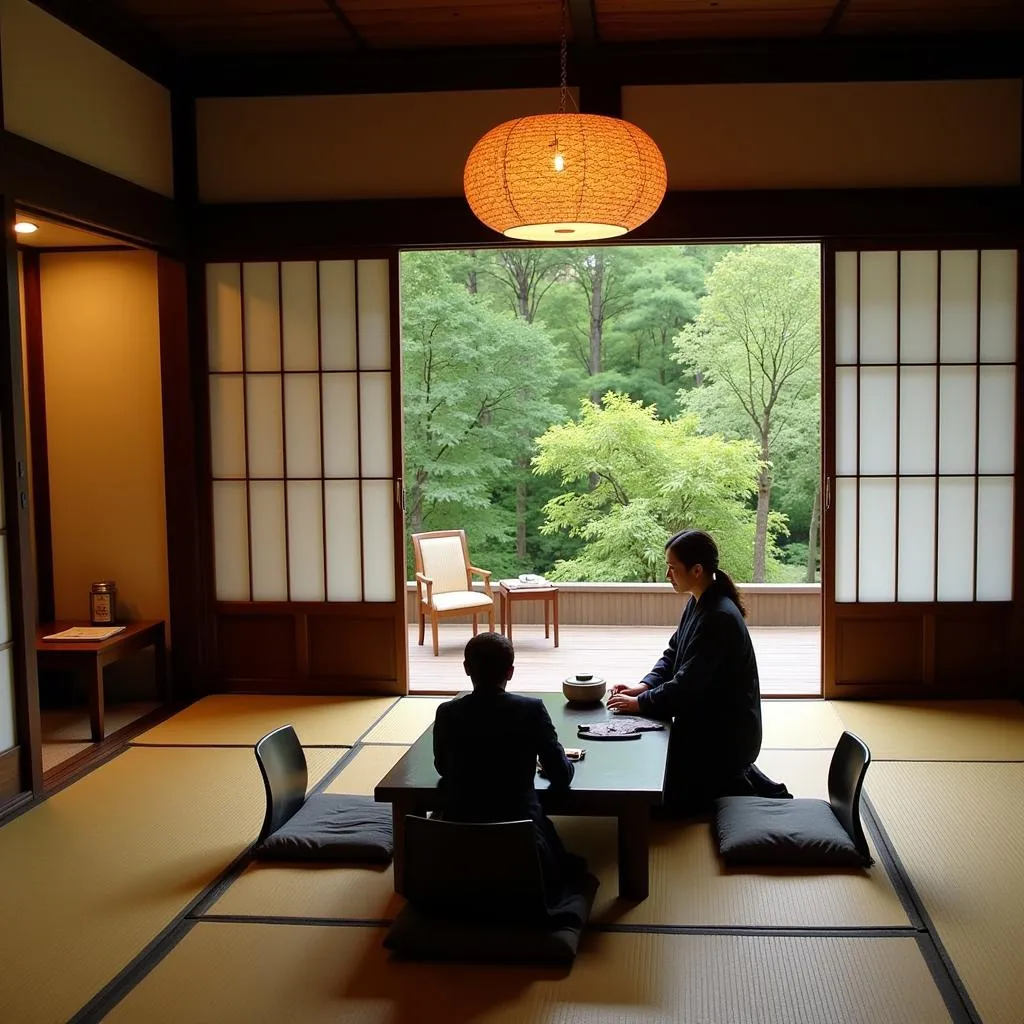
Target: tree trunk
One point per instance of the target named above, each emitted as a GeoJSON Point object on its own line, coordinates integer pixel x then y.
{"type": "Point", "coordinates": [764, 496]}
{"type": "Point", "coordinates": [596, 323]}
{"type": "Point", "coordinates": [471, 282]}
{"type": "Point", "coordinates": [812, 536]}
{"type": "Point", "coordinates": [521, 514]}
{"type": "Point", "coordinates": [416, 504]}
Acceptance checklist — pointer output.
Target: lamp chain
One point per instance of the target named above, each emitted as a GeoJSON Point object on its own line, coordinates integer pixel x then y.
{"type": "Point", "coordinates": [564, 87]}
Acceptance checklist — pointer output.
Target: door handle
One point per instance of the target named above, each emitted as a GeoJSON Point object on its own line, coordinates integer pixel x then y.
{"type": "Point", "coordinates": [828, 493]}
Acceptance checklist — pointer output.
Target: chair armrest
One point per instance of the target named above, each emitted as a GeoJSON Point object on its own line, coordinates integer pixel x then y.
{"type": "Point", "coordinates": [485, 573]}
{"type": "Point", "coordinates": [422, 581]}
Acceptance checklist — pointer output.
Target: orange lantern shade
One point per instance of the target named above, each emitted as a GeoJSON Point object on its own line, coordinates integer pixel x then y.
{"type": "Point", "coordinates": [565, 177]}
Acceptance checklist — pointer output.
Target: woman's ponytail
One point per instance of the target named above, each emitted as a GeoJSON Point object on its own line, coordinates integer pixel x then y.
{"type": "Point", "coordinates": [724, 581]}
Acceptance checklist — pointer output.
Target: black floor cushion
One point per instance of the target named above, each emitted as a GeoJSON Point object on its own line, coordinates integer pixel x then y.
{"type": "Point", "coordinates": [763, 830]}
{"type": "Point", "coordinates": [336, 828]}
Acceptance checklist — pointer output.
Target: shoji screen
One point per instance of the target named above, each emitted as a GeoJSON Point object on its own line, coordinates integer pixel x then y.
{"type": "Point", "coordinates": [303, 458]}
{"type": "Point", "coordinates": [923, 480]}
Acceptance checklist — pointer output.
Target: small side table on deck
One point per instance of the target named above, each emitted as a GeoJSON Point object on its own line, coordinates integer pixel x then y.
{"type": "Point", "coordinates": [90, 659]}
{"type": "Point", "coordinates": [509, 594]}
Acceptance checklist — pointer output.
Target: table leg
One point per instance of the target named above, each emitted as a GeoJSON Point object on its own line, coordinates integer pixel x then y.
{"type": "Point", "coordinates": [554, 602]}
{"type": "Point", "coordinates": [501, 611]}
{"type": "Point", "coordinates": [160, 666]}
{"type": "Point", "coordinates": [94, 681]}
{"type": "Point", "coordinates": [398, 812]}
{"type": "Point", "coordinates": [509, 600]}
{"type": "Point", "coordinates": [634, 853]}
{"type": "Point", "coordinates": [547, 629]}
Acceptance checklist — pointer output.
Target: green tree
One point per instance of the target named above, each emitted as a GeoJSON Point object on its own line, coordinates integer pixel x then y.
{"type": "Point", "coordinates": [756, 345]}
{"type": "Point", "coordinates": [653, 478]}
{"type": "Point", "coordinates": [476, 385]}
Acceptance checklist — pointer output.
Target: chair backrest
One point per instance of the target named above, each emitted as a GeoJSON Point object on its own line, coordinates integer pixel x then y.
{"type": "Point", "coordinates": [444, 557]}
{"type": "Point", "coordinates": [488, 871]}
{"type": "Point", "coordinates": [283, 766]}
{"type": "Point", "coordinates": [845, 781]}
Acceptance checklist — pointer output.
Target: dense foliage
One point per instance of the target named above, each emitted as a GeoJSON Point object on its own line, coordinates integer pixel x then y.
{"type": "Point", "coordinates": [569, 408]}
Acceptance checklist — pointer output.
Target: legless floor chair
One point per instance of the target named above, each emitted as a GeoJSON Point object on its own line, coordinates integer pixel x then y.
{"type": "Point", "coordinates": [476, 894]}
{"type": "Point", "coordinates": [320, 827]}
{"type": "Point", "coordinates": [444, 581]}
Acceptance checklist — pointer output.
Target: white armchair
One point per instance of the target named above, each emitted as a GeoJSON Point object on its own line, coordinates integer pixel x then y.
{"type": "Point", "coordinates": [444, 581]}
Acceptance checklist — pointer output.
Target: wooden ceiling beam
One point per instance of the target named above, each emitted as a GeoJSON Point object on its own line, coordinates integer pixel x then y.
{"type": "Point", "coordinates": [835, 17]}
{"type": "Point", "coordinates": [358, 41]}
{"type": "Point", "coordinates": [822, 59]}
{"type": "Point", "coordinates": [583, 19]}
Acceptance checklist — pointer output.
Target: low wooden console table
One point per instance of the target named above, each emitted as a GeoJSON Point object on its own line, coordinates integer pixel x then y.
{"type": "Point", "coordinates": [508, 595]}
{"type": "Point", "coordinates": [90, 659]}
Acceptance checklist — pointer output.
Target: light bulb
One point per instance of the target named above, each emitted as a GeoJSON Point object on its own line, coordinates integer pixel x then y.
{"type": "Point", "coordinates": [24, 227]}
{"type": "Point", "coordinates": [559, 162]}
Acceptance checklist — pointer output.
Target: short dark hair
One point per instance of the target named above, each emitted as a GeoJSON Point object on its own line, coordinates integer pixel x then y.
{"type": "Point", "coordinates": [488, 658]}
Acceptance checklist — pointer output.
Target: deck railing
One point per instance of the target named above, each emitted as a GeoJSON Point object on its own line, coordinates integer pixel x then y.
{"type": "Point", "coordinates": [656, 604]}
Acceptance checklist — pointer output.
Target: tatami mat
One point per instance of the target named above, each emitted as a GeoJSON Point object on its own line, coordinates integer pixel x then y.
{"type": "Point", "coordinates": [365, 769]}
{"type": "Point", "coordinates": [256, 973]}
{"type": "Point", "coordinates": [801, 724]}
{"type": "Point", "coordinates": [951, 730]}
{"type": "Point", "coordinates": [959, 831]}
{"type": "Point", "coordinates": [97, 871]}
{"type": "Point", "coordinates": [407, 721]}
{"type": "Point", "coordinates": [241, 719]}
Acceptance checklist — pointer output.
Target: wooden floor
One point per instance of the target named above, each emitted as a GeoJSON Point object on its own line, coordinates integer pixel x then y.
{"type": "Point", "coordinates": [788, 657]}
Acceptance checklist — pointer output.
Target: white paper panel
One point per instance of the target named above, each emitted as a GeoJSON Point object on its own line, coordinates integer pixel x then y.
{"type": "Point", "coordinates": [878, 300]}
{"type": "Point", "coordinates": [917, 541]}
{"type": "Point", "coordinates": [998, 305]}
{"type": "Point", "coordinates": [302, 423]}
{"type": "Point", "coordinates": [878, 419]}
{"type": "Point", "coordinates": [299, 316]}
{"type": "Point", "coordinates": [846, 308]}
{"type": "Point", "coordinates": [846, 540]}
{"type": "Point", "coordinates": [263, 420]}
{"type": "Point", "coordinates": [227, 426]}
{"type": "Point", "coordinates": [262, 304]}
{"type": "Point", "coordinates": [375, 431]}
{"type": "Point", "coordinates": [231, 541]}
{"type": "Point", "coordinates": [269, 555]}
{"type": "Point", "coordinates": [224, 316]}
{"type": "Point", "coordinates": [958, 308]}
{"type": "Point", "coordinates": [995, 539]}
{"type": "Point", "coordinates": [344, 568]}
{"type": "Point", "coordinates": [341, 425]}
{"type": "Point", "coordinates": [378, 540]}
{"type": "Point", "coordinates": [306, 540]}
{"type": "Point", "coordinates": [995, 435]}
{"type": "Point", "coordinates": [846, 420]}
{"type": "Point", "coordinates": [957, 404]}
{"type": "Point", "coordinates": [374, 315]}
{"type": "Point", "coordinates": [917, 419]}
{"type": "Point", "coordinates": [919, 306]}
{"type": "Point", "coordinates": [956, 538]}
{"type": "Point", "coordinates": [5, 605]}
{"type": "Point", "coordinates": [877, 537]}
{"type": "Point", "coordinates": [338, 315]}
{"type": "Point", "coordinates": [8, 732]}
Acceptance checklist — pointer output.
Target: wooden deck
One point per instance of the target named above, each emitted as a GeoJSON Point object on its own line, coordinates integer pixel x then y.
{"type": "Point", "coordinates": [788, 657]}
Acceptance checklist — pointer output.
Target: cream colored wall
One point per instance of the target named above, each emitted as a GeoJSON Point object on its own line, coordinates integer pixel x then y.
{"type": "Point", "coordinates": [101, 352]}
{"type": "Point", "coordinates": [348, 147]}
{"type": "Point", "coordinates": [65, 92]}
{"type": "Point", "coordinates": [835, 135]}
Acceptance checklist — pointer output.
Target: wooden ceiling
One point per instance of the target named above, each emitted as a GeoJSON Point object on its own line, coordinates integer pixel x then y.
{"type": "Point", "coordinates": [203, 27]}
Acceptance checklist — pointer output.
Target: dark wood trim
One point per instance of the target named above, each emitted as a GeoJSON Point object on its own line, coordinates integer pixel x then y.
{"type": "Point", "coordinates": [36, 379]}
{"type": "Point", "coordinates": [829, 488]}
{"type": "Point", "coordinates": [20, 563]}
{"type": "Point", "coordinates": [357, 39]}
{"type": "Point", "coordinates": [401, 640]}
{"type": "Point", "coordinates": [117, 33]}
{"type": "Point", "coordinates": [10, 774]}
{"type": "Point", "coordinates": [1018, 474]}
{"type": "Point", "coordinates": [184, 145]}
{"type": "Point", "coordinates": [835, 17]}
{"type": "Point", "coordinates": [831, 58]}
{"type": "Point", "coordinates": [583, 19]}
{"type": "Point", "coordinates": [59, 249]}
{"type": "Point", "coordinates": [320, 230]}
{"type": "Point", "coordinates": [181, 477]}
{"type": "Point", "coordinates": [48, 181]}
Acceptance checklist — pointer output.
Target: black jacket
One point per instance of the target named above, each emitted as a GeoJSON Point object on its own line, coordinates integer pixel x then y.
{"type": "Point", "coordinates": [486, 746]}
{"type": "Point", "coordinates": [707, 683]}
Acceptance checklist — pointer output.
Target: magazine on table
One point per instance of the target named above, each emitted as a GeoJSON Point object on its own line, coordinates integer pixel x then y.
{"type": "Point", "coordinates": [85, 634]}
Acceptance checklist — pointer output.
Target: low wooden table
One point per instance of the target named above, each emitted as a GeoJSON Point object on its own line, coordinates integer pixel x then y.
{"type": "Point", "coordinates": [90, 659]}
{"type": "Point", "coordinates": [617, 779]}
{"type": "Point", "coordinates": [508, 595]}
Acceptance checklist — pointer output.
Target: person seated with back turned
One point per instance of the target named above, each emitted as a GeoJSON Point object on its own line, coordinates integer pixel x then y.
{"type": "Point", "coordinates": [706, 682]}
{"type": "Point", "coordinates": [486, 747]}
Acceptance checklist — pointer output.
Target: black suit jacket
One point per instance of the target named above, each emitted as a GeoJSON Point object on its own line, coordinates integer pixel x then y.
{"type": "Point", "coordinates": [486, 746]}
